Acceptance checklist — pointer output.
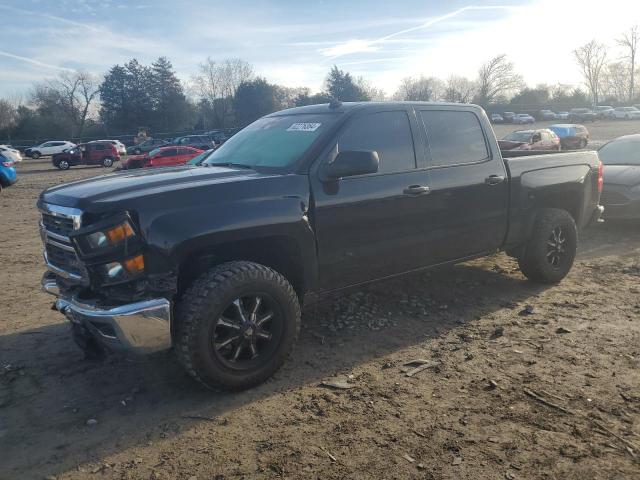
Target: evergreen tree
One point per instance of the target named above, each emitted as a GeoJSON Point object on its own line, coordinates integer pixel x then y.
{"type": "Point", "coordinates": [342, 86]}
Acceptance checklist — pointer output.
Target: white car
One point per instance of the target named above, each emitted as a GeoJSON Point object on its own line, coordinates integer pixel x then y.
{"type": "Point", "coordinates": [120, 147]}
{"type": "Point", "coordinates": [523, 118]}
{"type": "Point", "coordinates": [48, 148]}
{"type": "Point", "coordinates": [626, 113]}
{"type": "Point", "coordinates": [10, 152]}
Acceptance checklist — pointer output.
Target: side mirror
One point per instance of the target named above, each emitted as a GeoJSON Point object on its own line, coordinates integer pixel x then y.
{"type": "Point", "coordinates": [352, 162]}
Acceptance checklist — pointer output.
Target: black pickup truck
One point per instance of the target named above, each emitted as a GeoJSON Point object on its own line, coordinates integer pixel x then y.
{"type": "Point", "coordinates": [216, 260]}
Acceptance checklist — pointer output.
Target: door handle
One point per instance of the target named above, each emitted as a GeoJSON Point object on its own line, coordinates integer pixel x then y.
{"type": "Point", "coordinates": [494, 179]}
{"type": "Point", "coordinates": [416, 190]}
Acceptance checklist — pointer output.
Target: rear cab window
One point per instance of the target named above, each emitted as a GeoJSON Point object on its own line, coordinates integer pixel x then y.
{"type": "Point", "coordinates": [454, 137]}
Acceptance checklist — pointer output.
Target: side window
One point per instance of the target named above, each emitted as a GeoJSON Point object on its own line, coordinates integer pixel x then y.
{"type": "Point", "coordinates": [98, 146]}
{"type": "Point", "coordinates": [170, 152]}
{"type": "Point", "coordinates": [388, 133]}
{"type": "Point", "coordinates": [184, 151]}
{"type": "Point", "coordinates": [454, 137]}
{"type": "Point", "coordinates": [46, 145]}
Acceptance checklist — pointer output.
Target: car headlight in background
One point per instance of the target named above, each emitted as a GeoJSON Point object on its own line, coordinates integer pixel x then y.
{"type": "Point", "coordinates": [119, 271]}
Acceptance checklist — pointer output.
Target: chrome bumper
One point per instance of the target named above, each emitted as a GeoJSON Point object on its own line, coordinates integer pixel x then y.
{"type": "Point", "coordinates": [140, 327]}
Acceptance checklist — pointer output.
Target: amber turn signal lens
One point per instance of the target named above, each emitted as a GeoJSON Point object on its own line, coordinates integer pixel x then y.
{"type": "Point", "coordinates": [134, 265]}
{"type": "Point", "coordinates": [119, 233]}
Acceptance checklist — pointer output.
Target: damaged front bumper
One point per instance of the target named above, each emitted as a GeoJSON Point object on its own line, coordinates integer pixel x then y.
{"type": "Point", "coordinates": [141, 327]}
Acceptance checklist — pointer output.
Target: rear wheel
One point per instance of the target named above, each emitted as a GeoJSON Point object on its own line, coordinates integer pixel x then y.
{"type": "Point", "coordinates": [551, 250]}
{"type": "Point", "coordinates": [107, 162]}
{"type": "Point", "coordinates": [236, 325]}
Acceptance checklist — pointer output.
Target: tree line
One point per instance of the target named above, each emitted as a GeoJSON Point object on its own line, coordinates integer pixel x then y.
{"type": "Point", "coordinates": [228, 94]}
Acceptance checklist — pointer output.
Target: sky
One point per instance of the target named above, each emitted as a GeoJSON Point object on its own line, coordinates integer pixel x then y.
{"type": "Point", "coordinates": [295, 42]}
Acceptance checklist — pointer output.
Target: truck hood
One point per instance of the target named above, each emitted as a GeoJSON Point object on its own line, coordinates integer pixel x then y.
{"type": "Point", "coordinates": [125, 187]}
{"type": "Point", "coordinates": [625, 175]}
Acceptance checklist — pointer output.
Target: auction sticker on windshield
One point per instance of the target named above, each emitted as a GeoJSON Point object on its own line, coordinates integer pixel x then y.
{"type": "Point", "coordinates": [304, 127]}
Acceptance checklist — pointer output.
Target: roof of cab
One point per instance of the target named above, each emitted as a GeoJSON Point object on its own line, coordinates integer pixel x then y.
{"type": "Point", "coordinates": [344, 107]}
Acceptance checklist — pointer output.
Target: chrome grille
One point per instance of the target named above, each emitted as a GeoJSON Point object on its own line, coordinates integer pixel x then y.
{"type": "Point", "coordinates": [57, 224]}
{"type": "Point", "coordinates": [59, 254]}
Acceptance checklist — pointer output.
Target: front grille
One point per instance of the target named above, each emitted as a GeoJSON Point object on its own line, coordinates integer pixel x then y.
{"type": "Point", "coordinates": [607, 197]}
{"type": "Point", "coordinates": [57, 224]}
{"type": "Point", "coordinates": [63, 259]}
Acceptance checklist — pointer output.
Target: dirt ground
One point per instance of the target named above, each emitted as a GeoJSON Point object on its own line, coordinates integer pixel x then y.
{"type": "Point", "coordinates": [521, 381]}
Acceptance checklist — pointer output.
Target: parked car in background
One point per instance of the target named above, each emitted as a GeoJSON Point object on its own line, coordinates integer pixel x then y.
{"type": "Point", "coordinates": [523, 118]}
{"type": "Point", "coordinates": [541, 139]}
{"type": "Point", "coordinates": [562, 116]}
{"type": "Point", "coordinates": [12, 153]}
{"type": "Point", "coordinates": [8, 174]}
{"type": "Point", "coordinates": [496, 118]}
{"type": "Point", "coordinates": [626, 113]}
{"type": "Point", "coordinates": [604, 111]}
{"type": "Point", "coordinates": [162, 157]}
{"type": "Point", "coordinates": [571, 136]}
{"type": "Point", "coordinates": [198, 159]}
{"type": "Point", "coordinates": [202, 142]}
{"type": "Point", "coordinates": [146, 146]}
{"type": "Point", "coordinates": [92, 153]}
{"type": "Point", "coordinates": [508, 117]}
{"type": "Point", "coordinates": [621, 189]}
{"type": "Point", "coordinates": [120, 147]}
{"type": "Point", "coordinates": [582, 115]}
{"type": "Point", "coordinates": [547, 115]}
{"type": "Point", "coordinates": [48, 148]}
{"type": "Point", "coordinates": [218, 136]}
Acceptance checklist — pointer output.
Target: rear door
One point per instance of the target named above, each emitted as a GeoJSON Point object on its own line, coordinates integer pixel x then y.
{"type": "Point", "coordinates": [166, 157]}
{"type": "Point", "coordinates": [469, 185]}
{"type": "Point", "coordinates": [369, 226]}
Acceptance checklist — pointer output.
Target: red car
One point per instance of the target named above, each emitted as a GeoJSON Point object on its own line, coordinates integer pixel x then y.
{"type": "Point", "coordinates": [91, 153]}
{"type": "Point", "coordinates": [541, 139]}
{"type": "Point", "coordinates": [162, 157]}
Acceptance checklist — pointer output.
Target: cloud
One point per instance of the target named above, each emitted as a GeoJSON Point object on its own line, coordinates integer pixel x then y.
{"type": "Point", "coordinates": [364, 46]}
{"type": "Point", "coordinates": [33, 61]}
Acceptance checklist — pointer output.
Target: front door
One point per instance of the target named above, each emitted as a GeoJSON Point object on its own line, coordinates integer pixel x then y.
{"type": "Point", "coordinates": [368, 226]}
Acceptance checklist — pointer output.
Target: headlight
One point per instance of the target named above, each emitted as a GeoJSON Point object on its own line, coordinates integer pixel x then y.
{"type": "Point", "coordinates": [105, 238]}
{"type": "Point", "coordinates": [120, 271]}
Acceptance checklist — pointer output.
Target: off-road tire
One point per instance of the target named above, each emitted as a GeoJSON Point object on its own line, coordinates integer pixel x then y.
{"type": "Point", "coordinates": [203, 303]}
{"type": "Point", "coordinates": [534, 262]}
{"type": "Point", "coordinates": [107, 162]}
{"type": "Point", "coordinates": [35, 155]}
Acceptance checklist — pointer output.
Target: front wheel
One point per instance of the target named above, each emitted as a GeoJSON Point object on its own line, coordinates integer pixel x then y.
{"type": "Point", "coordinates": [35, 155]}
{"type": "Point", "coordinates": [63, 165]}
{"type": "Point", "coordinates": [236, 325]}
{"type": "Point", "coordinates": [551, 250]}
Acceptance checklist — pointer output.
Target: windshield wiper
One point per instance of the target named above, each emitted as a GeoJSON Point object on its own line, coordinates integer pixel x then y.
{"type": "Point", "coordinates": [229, 164]}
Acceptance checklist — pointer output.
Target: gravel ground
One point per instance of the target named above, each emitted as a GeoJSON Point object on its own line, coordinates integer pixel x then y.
{"type": "Point", "coordinates": [514, 380]}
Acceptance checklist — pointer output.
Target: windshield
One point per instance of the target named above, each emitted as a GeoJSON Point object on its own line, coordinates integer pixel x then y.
{"type": "Point", "coordinates": [621, 152]}
{"type": "Point", "coordinates": [274, 142]}
{"type": "Point", "coordinates": [519, 137]}
{"type": "Point", "coordinates": [154, 152]}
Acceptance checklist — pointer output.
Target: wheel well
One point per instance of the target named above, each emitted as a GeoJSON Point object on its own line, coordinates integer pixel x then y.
{"type": "Point", "coordinates": [564, 201]}
{"type": "Point", "coordinates": [282, 254]}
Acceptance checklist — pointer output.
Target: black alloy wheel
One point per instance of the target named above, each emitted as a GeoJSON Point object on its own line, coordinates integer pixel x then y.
{"type": "Point", "coordinates": [248, 332]}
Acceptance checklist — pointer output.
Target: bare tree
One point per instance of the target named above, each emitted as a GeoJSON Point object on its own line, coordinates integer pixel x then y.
{"type": "Point", "coordinates": [8, 116]}
{"type": "Point", "coordinates": [615, 82]}
{"type": "Point", "coordinates": [74, 94]}
{"type": "Point", "coordinates": [217, 83]}
{"type": "Point", "coordinates": [497, 78]}
{"type": "Point", "coordinates": [425, 89]}
{"type": "Point", "coordinates": [459, 89]}
{"type": "Point", "coordinates": [629, 40]}
{"type": "Point", "coordinates": [591, 58]}
{"type": "Point", "coordinates": [374, 94]}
